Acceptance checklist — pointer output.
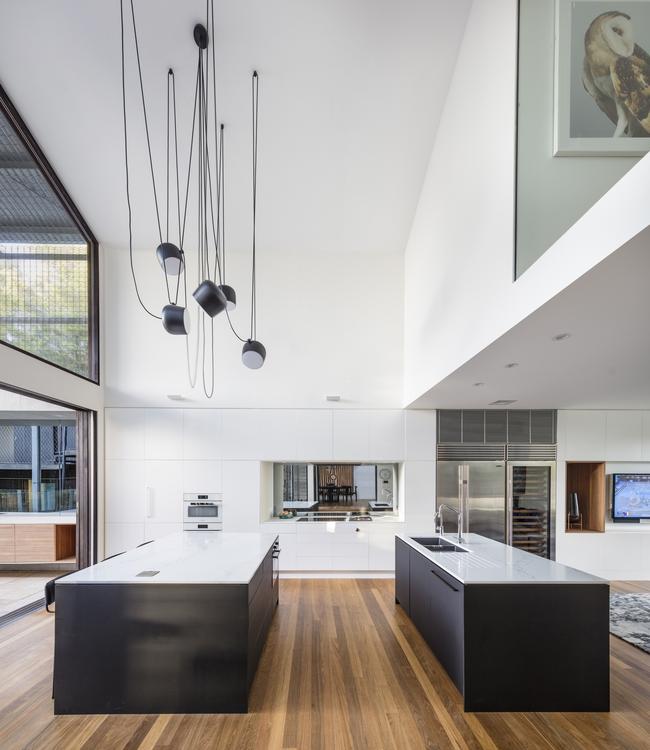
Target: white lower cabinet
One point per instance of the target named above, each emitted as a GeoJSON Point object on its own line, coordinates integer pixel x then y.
{"type": "Point", "coordinates": [331, 546]}
{"type": "Point", "coordinates": [381, 550]}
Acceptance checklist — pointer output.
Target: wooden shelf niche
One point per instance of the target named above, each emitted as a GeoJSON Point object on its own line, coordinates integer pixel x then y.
{"type": "Point", "coordinates": [588, 480]}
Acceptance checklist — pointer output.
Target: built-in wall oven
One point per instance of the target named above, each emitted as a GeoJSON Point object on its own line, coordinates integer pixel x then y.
{"type": "Point", "coordinates": [203, 511]}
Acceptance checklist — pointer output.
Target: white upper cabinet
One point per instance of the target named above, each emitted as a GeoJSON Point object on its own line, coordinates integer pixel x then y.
{"type": "Point", "coordinates": [586, 435]}
{"type": "Point", "coordinates": [313, 435]}
{"type": "Point", "coordinates": [163, 437]}
{"type": "Point", "coordinates": [202, 476]}
{"type": "Point", "coordinates": [350, 438]}
{"type": "Point", "coordinates": [386, 435]}
{"type": "Point", "coordinates": [624, 436]}
{"type": "Point", "coordinates": [124, 430]}
{"type": "Point", "coordinates": [202, 433]}
{"type": "Point", "coordinates": [645, 416]}
{"type": "Point", "coordinates": [420, 435]}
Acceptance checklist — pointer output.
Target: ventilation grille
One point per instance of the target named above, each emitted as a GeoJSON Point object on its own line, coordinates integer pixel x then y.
{"type": "Point", "coordinates": [518, 426]}
{"type": "Point", "coordinates": [532, 452]}
{"type": "Point", "coordinates": [469, 452]}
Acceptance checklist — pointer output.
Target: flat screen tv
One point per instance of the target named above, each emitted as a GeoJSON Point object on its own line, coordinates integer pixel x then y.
{"type": "Point", "coordinates": [630, 497]}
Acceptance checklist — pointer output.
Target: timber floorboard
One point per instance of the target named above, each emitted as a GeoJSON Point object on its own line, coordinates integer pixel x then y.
{"type": "Point", "coordinates": [343, 668]}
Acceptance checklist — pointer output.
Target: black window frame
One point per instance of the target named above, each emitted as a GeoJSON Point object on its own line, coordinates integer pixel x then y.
{"type": "Point", "coordinates": [29, 142]}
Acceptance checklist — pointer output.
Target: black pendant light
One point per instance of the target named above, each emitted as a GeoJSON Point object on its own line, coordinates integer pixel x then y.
{"type": "Point", "coordinates": [170, 258]}
{"type": "Point", "coordinates": [210, 297]}
{"type": "Point", "coordinates": [253, 354]}
{"type": "Point", "coordinates": [206, 201]}
{"type": "Point", "coordinates": [176, 320]}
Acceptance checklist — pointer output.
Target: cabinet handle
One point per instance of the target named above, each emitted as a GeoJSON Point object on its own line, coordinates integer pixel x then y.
{"type": "Point", "coordinates": [357, 530]}
{"type": "Point", "coordinates": [445, 582]}
{"type": "Point", "coordinates": [149, 502]}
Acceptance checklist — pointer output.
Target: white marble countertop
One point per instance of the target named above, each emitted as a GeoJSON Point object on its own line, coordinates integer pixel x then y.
{"type": "Point", "coordinates": [184, 557]}
{"type": "Point", "coordinates": [487, 561]}
{"type": "Point", "coordinates": [57, 519]}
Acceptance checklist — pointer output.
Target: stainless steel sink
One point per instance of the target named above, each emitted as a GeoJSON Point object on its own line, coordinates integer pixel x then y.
{"type": "Point", "coordinates": [437, 544]}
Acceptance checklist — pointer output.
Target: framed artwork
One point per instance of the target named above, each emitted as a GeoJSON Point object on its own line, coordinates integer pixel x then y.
{"type": "Point", "coordinates": [602, 78]}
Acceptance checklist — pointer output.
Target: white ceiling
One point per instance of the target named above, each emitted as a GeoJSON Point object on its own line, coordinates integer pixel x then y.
{"type": "Point", "coordinates": [603, 364]}
{"type": "Point", "coordinates": [351, 93]}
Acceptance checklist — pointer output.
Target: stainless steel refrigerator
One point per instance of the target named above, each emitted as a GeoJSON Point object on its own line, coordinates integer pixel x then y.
{"type": "Point", "coordinates": [511, 502]}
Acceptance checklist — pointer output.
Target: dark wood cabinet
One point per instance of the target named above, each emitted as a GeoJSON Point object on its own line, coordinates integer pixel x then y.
{"type": "Point", "coordinates": [511, 646]}
{"type": "Point", "coordinates": [436, 601]}
{"type": "Point", "coordinates": [445, 629]}
{"type": "Point", "coordinates": [161, 648]}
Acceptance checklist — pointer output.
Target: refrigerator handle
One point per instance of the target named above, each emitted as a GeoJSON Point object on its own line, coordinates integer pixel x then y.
{"type": "Point", "coordinates": [509, 507]}
{"type": "Point", "coordinates": [463, 496]}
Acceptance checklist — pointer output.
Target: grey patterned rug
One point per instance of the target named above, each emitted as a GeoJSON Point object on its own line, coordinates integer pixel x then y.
{"type": "Point", "coordinates": [629, 618]}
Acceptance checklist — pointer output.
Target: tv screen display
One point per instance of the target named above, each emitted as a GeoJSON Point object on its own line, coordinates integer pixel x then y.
{"type": "Point", "coordinates": [631, 496]}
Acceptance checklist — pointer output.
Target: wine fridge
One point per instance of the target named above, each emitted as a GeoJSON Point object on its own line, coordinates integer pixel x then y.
{"type": "Point", "coordinates": [509, 501]}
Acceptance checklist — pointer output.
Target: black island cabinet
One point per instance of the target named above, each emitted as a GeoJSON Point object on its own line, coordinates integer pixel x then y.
{"type": "Point", "coordinates": [161, 648]}
{"type": "Point", "coordinates": [511, 646]}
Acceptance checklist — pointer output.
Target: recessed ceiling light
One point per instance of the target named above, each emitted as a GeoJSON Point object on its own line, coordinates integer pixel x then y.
{"type": "Point", "coordinates": [478, 385]}
{"type": "Point", "coordinates": [503, 402]}
{"type": "Point", "coordinates": [510, 365]}
{"type": "Point", "coordinates": [561, 336]}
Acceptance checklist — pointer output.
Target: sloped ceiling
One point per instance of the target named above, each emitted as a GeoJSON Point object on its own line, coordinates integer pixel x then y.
{"type": "Point", "coordinates": [351, 93]}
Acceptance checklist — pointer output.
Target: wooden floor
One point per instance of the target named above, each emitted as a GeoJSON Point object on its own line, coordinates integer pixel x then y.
{"type": "Point", "coordinates": [343, 668]}
{"type": "Point", "coordinates": [21, 587]}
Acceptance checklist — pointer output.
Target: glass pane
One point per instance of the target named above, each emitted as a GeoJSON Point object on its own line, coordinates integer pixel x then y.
{"type": "Point", "coordinates": [577, 133]}
{"type": "Point", "coordinates": [44, 264]}
{"type": "Point", "coordinates": [38, 467]}
{"type": "Point", "coordinates": [531, 494]}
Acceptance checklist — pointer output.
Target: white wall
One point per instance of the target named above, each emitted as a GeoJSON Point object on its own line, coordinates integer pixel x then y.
{"type": "Point", "coordinates": [459, 292]}
{"type": "Point", "coordinates": [331, 324]}
{"type": "Point", "coordinates": [622, 440]}
{"type": "Point", "coordinates": [154, 455]}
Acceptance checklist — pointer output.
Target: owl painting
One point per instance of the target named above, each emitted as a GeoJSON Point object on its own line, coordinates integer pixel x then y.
{"type": "Point", "coordinates": [616, 74]}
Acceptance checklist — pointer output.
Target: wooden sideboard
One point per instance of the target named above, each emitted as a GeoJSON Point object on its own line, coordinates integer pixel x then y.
{"type": "Point", "coordinates": [32, 542]}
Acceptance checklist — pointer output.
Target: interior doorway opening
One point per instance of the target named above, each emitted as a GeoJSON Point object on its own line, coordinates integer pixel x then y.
{"type": "Point", "coordinates": [45, 497]}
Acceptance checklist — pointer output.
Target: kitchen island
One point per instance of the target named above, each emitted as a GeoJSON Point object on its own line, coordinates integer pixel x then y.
{"type": "Point", "coordinates": [514, 631]}
{"type": "Point", "coordinates": [174, 626]}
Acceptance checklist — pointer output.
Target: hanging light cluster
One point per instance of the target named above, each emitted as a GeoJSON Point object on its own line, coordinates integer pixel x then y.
{"type": "Point", "coordinates": [205, 170]}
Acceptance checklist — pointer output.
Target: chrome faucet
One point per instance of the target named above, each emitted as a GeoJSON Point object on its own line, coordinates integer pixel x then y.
{"type": "Point", "coordinates": [439, 521]}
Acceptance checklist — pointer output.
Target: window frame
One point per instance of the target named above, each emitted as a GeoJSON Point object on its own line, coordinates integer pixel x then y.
{"type": "Point", "coordinates": [29, 142]}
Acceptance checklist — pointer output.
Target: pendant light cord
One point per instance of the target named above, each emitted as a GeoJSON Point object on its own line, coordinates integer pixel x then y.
{"type": "Point", "coordinates": [146, 121]}
{"type": "Point", "coordinates": [126, 169]}
{"type": "Point", "coordinates": [255, 107]}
